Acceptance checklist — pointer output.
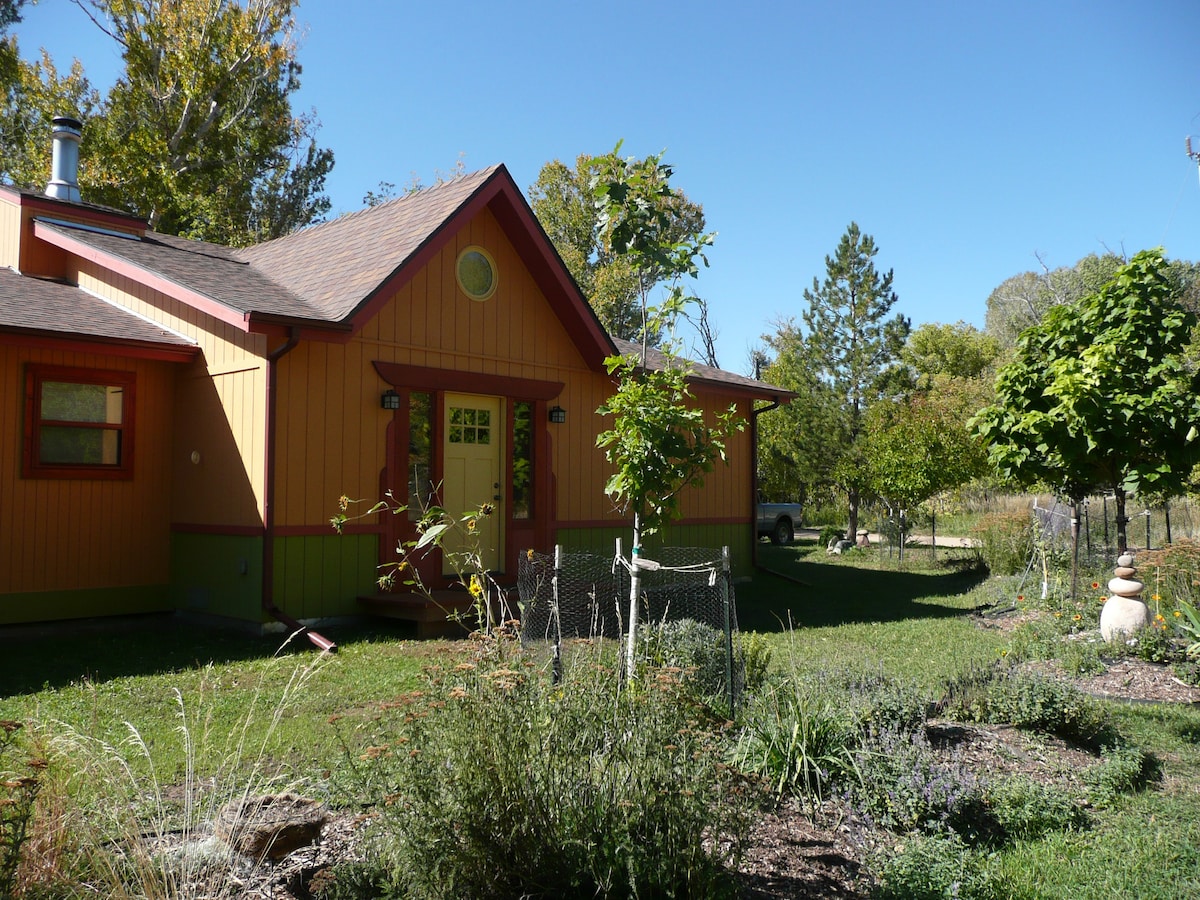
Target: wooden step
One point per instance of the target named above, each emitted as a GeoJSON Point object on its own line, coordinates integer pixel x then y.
{"type": "Point", "coordinates": [429, 613]}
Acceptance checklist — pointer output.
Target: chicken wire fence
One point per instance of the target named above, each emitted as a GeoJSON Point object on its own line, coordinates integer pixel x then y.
{"type": "Point", "coordinates": [687, 615]}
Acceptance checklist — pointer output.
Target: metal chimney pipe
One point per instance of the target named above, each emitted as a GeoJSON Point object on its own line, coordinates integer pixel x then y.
{"type": "Point", "coordinates": [64, 167]}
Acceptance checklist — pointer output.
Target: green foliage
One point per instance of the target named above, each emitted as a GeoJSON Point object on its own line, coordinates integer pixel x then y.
{"type": "Point", "coordinates": [848, 348]}
{"type": "Point", "coordinates": [1032, 702]}
{"type": "Point", "coordinates": [1023, 300]}
{"type": "Point", "coordinates": [756, 652]}
{"type": "Point", "coordinates": [1090, 375]}
{"type": "Point", "coordinates": [958, 350]}
{"type": "Point", "coordinates": [1025, 810]}
{"type": "Point", "coordinates": [799, 741]}
{"type": "Point", "coordinates": [499, 783]}
{"type": "Point", "coordinates": [917, 449]}
{"type": "Point", "coordinates": [934, 867]}
{"type": "Point", "coordinates": [197, 135]}
{"type": "Point", "coordinates": [1006, 541]}
{"type": "Point", "coordinates": [1122, 770]}
{"type": "Point", "coordinates": [563, 201]}
{"type": "Point", "coordinates": [659, 442]}
{"type": "Point", "coordinates": [20, 784]}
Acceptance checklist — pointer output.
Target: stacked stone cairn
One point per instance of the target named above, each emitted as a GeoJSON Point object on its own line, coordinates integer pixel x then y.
{"type": "Point", "coordinates": [1124, 613]}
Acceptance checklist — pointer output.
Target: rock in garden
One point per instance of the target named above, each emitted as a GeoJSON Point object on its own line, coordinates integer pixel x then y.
{"type": "Point", "coordinates": [271, 826]}
{"type": "Point", "coordinates": [1123, 617]}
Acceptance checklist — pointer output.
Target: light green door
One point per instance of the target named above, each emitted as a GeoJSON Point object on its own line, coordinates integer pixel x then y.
{"type": "Point", "coordinates": [474, 436]}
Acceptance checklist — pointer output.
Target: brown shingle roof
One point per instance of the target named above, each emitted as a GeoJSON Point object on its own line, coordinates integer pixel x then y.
{"type": "Point", "coordinates": [48, 307]}
{"type": "Point", "coordinates": [209, 269]}
{"type": "Point", "coordinates": [655, 359]}
{"type": "Point", "coordinates": [337, 265]}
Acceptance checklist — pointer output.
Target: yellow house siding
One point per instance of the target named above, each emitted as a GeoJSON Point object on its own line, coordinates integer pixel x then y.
{"type": "Point", "coordinates": [10, 234]}
{"type": "Point", "coordinates": [222, 398]}
{"type": "Point", "coordinates": [69, 534]}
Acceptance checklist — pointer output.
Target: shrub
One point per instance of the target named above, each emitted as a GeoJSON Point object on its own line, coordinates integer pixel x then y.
{"type": "Point", "coordinates": [1122, 770]}
{"type": "Point", "coordinates": [1026, 810]}
{"type": "Point", "coordinates": [1005, 540]}
{"type": "Point", "coordinates": [829, 534]}
{"type": "Point", "coordinates": [926, 867]}
{"type": "Point", "coordinates": [498, 783]}
{"type": "Point", "coordinates": [905, 787]}
{"type": "Point", "coordinates": [1032, 702]}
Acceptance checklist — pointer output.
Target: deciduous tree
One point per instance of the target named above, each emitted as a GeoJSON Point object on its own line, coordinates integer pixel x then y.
{"type": "Point", "coordinates": [197, 134]}
{"type": "Point", "coordinates": [562, 199]}
{"type": "Point", "coordinates": [1100, 395]}
{"type": "Point", "coordinates": [659, 442]}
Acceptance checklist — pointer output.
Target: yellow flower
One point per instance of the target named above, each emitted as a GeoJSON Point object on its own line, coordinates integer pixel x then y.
{"type": "Point", "coordinates": [1077, 617]}
{"type": "Point", "coordinates": [1155, 597]}
{"type": "Point", "coordinates": [475, 587]}
{"type": "Point", "coordinates": [1178, 614]}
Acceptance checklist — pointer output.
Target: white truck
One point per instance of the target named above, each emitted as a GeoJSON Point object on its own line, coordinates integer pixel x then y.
{"type": "Point", "coordinates": [779, 521]}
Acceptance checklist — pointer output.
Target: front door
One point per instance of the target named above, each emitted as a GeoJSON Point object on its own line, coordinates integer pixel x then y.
{"type": "Point", "coordinates": [473, 435]}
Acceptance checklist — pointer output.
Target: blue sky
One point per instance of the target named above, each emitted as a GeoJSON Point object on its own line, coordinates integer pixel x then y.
{"type": "Point", "coordinates": [965, 137]}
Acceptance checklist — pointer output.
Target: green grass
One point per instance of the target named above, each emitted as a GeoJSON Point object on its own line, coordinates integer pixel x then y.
{"type": "Point", "coordinates": [820, 614]}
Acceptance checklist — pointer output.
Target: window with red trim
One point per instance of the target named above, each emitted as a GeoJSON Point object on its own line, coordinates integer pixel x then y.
{"type": "Point", "coordinates": [78, 423]}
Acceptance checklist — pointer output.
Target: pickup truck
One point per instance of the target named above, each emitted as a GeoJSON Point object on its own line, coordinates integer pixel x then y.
{"type": "Point", "coordinates": [779, 521]}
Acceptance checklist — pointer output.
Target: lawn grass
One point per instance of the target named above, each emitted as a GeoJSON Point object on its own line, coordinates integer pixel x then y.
{"type": "Point", "coordinates": [859, 613]}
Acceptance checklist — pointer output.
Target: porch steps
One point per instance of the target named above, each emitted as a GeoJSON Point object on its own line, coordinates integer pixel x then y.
{"type": "Point", "coordinates": [429, 614]}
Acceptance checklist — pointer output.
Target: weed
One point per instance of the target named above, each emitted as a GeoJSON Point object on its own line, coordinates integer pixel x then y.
{"type": "Point", "coordinates": [1005, 540]}
{"type": "Point", "coordinates": [20, 783]}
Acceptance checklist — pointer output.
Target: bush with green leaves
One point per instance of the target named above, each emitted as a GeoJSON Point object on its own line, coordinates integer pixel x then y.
{"type": "Point", "coordinates": [497, 782]}
{"type": "Point", "coordinates": [1122, 769]}
{"type": "Point", "coordinates": [1029, 701]}
{"type": "Point", "coordinates": [926, 867]}
{"type": "Point", "coordinates": [1024, 809]}
{"type": "Point", "coordinates": [755, 650]}
{"type": "Point", "coordinates": [906, 786]}
{"type": "Point", "coordinates": [1006, 541]}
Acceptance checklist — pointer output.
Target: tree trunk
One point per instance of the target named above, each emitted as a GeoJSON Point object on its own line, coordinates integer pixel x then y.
{"type": "Point", "coordinates": [1122, 522]}
{"type": "Point", "coordinates": [1074, 549]}
{"type": "Point", "coordinates": [852, 532]}
{"type": "Point", "coordinates": [635, 588]}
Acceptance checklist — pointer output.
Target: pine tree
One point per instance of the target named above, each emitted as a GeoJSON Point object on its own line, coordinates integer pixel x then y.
{"type": "Point", "coordinates": [852, 345]}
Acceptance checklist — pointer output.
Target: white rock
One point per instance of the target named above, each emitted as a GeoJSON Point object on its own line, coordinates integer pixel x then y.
{"type": "Point", "coordinates": [1123, 616]}
{"type": "Point", "coordinates": [1125, 559]}
{"type": "Point", "coordinates": [1125, 587]}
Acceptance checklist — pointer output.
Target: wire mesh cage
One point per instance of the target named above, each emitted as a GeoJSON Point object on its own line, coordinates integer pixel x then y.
{"type": "Point", "coordinates": [687, 610]}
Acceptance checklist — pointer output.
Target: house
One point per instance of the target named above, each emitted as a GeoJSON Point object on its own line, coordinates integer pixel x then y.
{"type": "Point", "coordinates": [178, 419]}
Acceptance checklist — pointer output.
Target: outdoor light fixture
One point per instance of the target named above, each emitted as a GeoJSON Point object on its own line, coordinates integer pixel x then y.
{"type": "Point", "coordinates": [389, 400]}
{"type": "Point", "coordinates": [558, 415]}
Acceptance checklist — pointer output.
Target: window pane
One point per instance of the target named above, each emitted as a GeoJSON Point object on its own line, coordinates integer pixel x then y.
{"type": "Point", "coordinates": [61, 445]}
{"type": "Point", "coordinates": [72, 402]}
{"type": "Point", "coordinates": [420, 454]}
{"type": "Point", "coordinates": [522, 461]}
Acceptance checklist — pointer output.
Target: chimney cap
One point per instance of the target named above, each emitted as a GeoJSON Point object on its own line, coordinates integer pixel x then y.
{"type": "Point", "coordinates": [64, 123]}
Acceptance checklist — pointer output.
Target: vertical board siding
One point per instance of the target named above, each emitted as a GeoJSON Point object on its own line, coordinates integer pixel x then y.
{"type": "Point", "coordinates": [10, 234]}
{"type": "Point", "coordinates": [222, 399]}
{"type": "Point", "coordinates": [72, 534]}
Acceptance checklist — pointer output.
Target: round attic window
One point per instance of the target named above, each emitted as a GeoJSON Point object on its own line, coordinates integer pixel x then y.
{"type": "Point", "coordinates": [476, 271]}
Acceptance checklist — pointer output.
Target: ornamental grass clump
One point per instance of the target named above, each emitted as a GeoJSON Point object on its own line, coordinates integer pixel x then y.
{"type": "Point", "coordinates": [798, 740]}
{"type": "Point", "coordinates": [494, 781]}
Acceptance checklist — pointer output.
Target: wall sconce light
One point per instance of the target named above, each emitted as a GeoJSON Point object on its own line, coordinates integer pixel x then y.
{"type": "Point", "coordinates": [389, 400]}
{"type": "Point", "coordinates": [558, 415]}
